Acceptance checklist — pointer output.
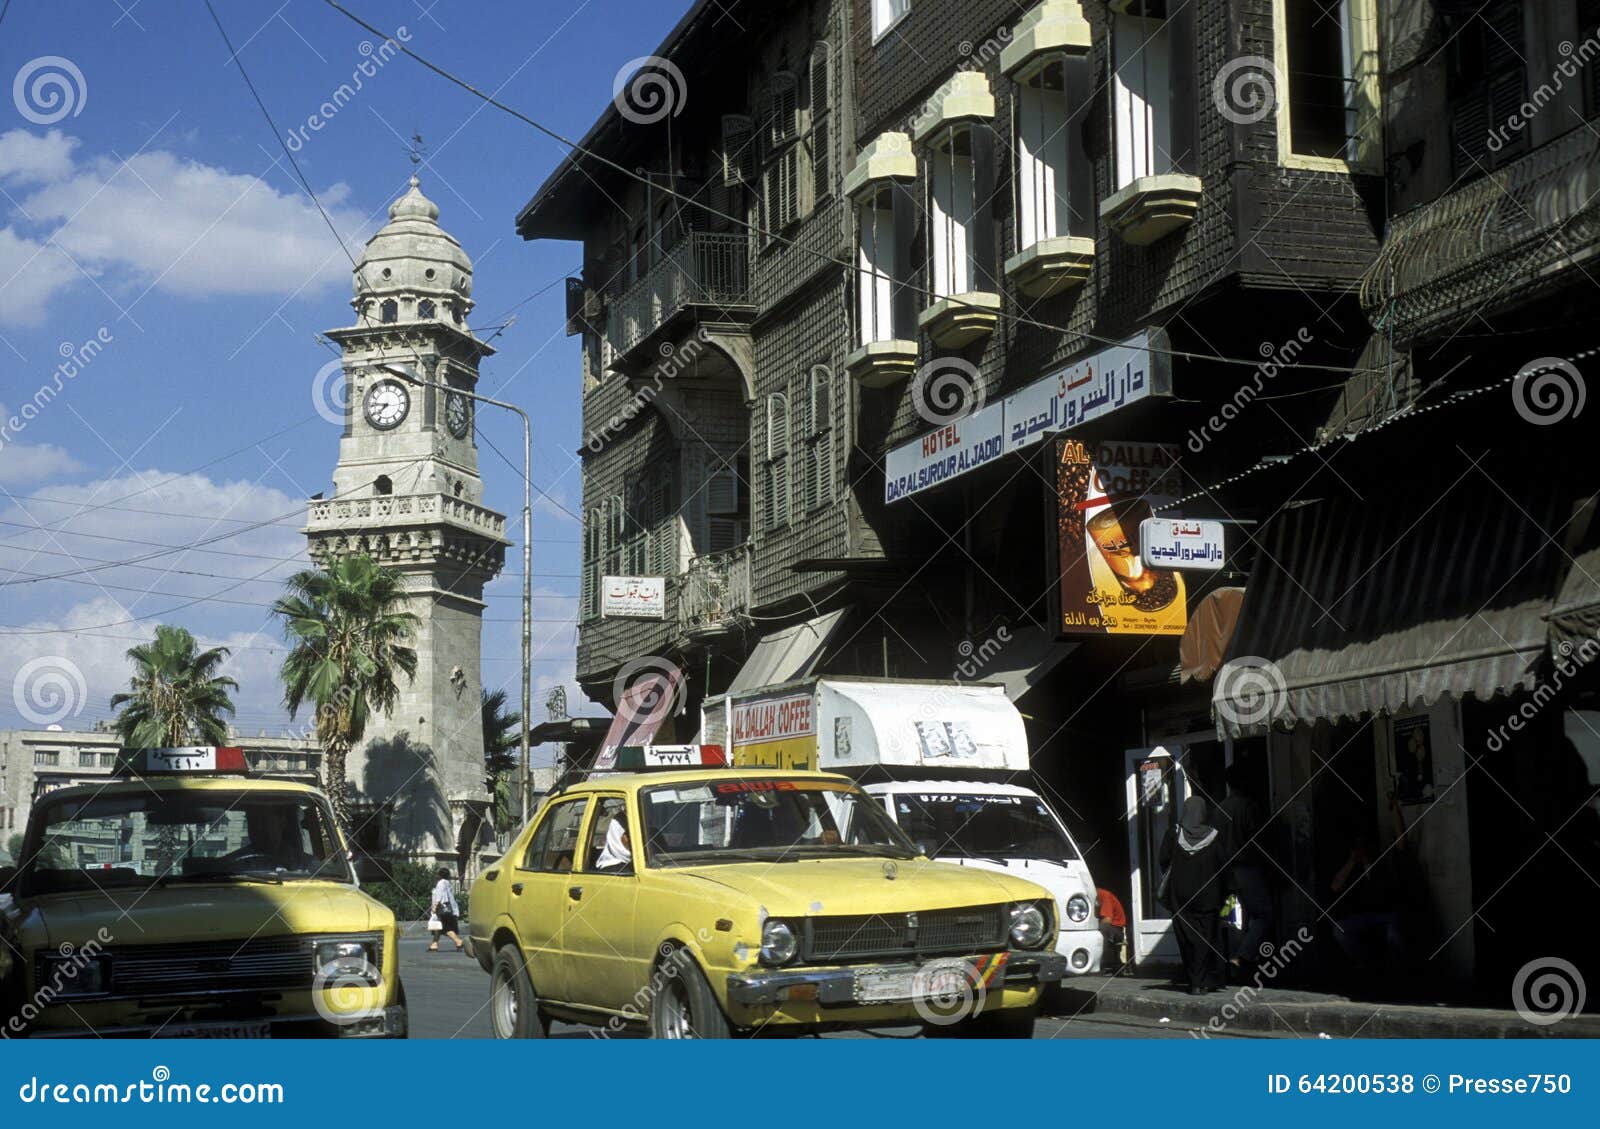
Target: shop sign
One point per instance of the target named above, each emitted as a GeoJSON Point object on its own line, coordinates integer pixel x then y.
{"type": "Point", "coordinates": [633, 597]}
{"type": "Point", "coordinates": [1105, 491]}
{"type": "Point", "coordinates": [1181, 543]}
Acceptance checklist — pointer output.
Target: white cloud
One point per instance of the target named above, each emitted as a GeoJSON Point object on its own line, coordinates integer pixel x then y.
{"type": "Point", "coordinates": [23, 463]}
{"type": "Point", "coordinates": [158, 221]}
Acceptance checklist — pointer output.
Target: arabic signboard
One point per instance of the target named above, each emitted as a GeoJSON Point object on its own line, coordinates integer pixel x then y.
{"type": "Point", "coordinates": [1181, 543]}
{"type": "Point", "coordinates": [1105, 491]}
{"type": "Point", "coordinates": [1080, 393]}
{"type": "Point", "coordinates": [633, 597]}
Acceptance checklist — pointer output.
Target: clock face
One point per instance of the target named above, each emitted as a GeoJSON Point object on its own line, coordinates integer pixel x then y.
{"type": "Point", "coordinates": [387, 404]}
{"type": "Point", "coordinates": [458, 414]}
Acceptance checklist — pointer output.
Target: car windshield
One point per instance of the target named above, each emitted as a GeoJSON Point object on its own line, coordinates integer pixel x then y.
{"type": "Point", "coordinates": [162, 836]}
{"type": "Point", "coordinates": [765, 819]}
{"type": "Point", "coordinates": [982, 825]}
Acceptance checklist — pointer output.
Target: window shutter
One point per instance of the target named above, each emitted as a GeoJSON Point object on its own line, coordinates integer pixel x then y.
{"type": "Point", "coordinates": [776, 502]}
{"type": "Point", "coordinates": [722, 494]}
{"type": "Point", "coordinates": [722, 534]}
{"type": "Point", "coordinates": [738, 150]}
{"type": "Point", "coordinates": [791, 184]}
{"type": "Point", "coordinates": [784, 108]}
{"type": "Point", "coordinates": [821, 143]}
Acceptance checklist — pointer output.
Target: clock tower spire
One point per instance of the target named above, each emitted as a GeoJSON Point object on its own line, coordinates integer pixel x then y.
{"type": "Point", "coordinates": [408, 494]}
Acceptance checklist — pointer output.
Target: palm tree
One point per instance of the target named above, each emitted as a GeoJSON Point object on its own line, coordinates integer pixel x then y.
{"type": "Point", "coordinates": [502, 733]}
{"type": "Point", "coordinates": [175, 696]}
{"type": "Point", "coordinates": [349, 636]}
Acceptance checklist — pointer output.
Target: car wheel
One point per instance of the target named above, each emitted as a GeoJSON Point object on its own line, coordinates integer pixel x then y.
{"type": "Point", "coordinates": [513, 1004]}
{"type": "Point", "coordinates": [684, 1006]}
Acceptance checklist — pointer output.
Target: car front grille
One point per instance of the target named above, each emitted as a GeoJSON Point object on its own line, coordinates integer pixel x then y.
{"type": "Point", "coordinates": [208, 967]}
{"type": "Point", "coordinates": [968, 930]}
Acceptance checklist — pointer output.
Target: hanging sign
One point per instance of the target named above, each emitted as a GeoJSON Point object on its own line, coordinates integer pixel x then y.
{"type": "Point", "coordinates": [1181, 543]}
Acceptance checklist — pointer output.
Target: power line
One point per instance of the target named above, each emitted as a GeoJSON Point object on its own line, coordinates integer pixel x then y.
{"type": "Point", "coordinates": [772, 236]}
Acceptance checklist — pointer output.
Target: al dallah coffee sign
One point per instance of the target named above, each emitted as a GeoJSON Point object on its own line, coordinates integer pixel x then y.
{"type": "Point", "coordinates": [1104, 490]}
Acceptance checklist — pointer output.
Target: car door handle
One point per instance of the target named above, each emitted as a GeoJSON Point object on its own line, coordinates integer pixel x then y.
{"type": "Point", "coordinates": [575, 893]}
{"type": "Point", "coordinates": [516, 887]}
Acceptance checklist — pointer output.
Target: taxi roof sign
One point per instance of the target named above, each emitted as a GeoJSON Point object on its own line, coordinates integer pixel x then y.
{"type": "Point", "coordinates": [632, 758]}
{"type": "Point", "coordinates": [182, 761]}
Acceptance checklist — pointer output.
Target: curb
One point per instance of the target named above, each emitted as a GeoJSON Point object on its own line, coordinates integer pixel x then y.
{"type": "Point", "coordinates": [1205, 1016]}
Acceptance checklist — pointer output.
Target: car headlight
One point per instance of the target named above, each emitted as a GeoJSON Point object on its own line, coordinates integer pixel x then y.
{"type": "Point", "coordinates": [778, 943]}
{"type": "Point", "coordinates": [72, 976]}
{"type": "Point", "coordinates": [1029, 926]}
{"type": "Point", "coordinates": [349, 960]}
{"type": "Point", "coordinates": [1078, 909]}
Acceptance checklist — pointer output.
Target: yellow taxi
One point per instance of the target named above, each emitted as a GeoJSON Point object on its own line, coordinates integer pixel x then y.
{"type": "Point", "coordinates": [188, 899]}
{"type": "Point", "coordinates": [706, 901]}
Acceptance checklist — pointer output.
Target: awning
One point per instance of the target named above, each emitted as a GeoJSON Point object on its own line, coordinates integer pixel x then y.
{"type": "Point", "coordinates": [787, 654]}
{"type": "Point", "coordinates": [1434, 584]}
{"type": "Point", "coordinates": [1205, 640]}
{"type": "Point", "coordinates": [1023, 661]}
{"type": "Point", "coordinates": [1575, 618]}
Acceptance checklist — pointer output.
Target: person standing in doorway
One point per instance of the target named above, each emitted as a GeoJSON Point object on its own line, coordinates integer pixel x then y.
{"type": "Point", "coordinates": [1241, 814]}
{"type": "Point", "coordinates": [446, 910]}
{"type": "Point", "coordinates": [1195, 856]}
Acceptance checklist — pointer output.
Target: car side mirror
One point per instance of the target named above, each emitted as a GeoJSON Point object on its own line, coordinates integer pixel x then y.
{"type": "Point", "coordinates": [925, 849]}
{"type": "Point", "coordinates": [369, 869]}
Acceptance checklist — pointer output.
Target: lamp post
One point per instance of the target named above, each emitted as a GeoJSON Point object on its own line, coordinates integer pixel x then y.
{"type": "Point", "coordinates": [527, 563]}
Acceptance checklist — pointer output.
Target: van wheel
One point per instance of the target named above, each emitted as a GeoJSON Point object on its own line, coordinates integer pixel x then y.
{"type": "Point", "coordinates": [684, 1006]}
{"type": "Point", "coordinates": [513, 1005]}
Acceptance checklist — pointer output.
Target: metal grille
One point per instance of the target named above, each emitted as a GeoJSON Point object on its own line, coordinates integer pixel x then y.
{"type": "Point", "coordinates": [271, 963]}
{"type": "Point", "coordinates": [971, 929]}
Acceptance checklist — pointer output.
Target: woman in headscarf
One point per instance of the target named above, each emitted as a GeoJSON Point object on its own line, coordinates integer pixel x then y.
{"type": "Point", "coordinates": [617, 854]}
{"type": "Point", "coordinates": [1196, 857]}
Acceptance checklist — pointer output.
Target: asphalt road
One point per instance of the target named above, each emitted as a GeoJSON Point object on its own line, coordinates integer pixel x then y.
{"type": "Point", "coordinates": [448, 995]}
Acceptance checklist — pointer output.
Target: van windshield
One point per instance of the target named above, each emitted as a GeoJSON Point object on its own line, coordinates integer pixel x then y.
{"type": "Point", "coordinates": [981, 825]}
{"type": "Point", "coordinates": [166, 836]}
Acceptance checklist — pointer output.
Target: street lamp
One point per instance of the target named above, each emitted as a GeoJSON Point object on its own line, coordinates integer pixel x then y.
{"type": "Point", "coordinates": [527, 562]}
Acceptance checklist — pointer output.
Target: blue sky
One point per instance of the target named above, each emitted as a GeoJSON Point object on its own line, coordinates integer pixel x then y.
{"type": "Point", "coordinates": [159, 218]}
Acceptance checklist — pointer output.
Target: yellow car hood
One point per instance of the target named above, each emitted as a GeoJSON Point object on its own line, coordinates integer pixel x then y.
{"type": "Point", "coordinates": [846, 886]}
{"type": "Point", "coordinates": [197, 912]}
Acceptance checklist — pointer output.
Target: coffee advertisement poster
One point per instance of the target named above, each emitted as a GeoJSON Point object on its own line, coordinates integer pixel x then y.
{"type": "Point", "coordinates": [1104, 491]}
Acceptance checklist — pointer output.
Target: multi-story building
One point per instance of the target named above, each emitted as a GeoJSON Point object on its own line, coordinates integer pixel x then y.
{"type": "Point", "coordinates": [1232, 248]}
{"type": "Point", "coordinates": [36, 761]}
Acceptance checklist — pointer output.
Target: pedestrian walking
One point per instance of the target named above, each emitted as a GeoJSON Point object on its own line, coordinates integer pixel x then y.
{"type": "Point", "coordinates": [1241, 814]}
{"type": "Point", "coordinates": [1195, 856]}
{"type": "Point", "coordinates": [446, 911]}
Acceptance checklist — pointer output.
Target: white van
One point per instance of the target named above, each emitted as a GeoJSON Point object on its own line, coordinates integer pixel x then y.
{"type": "Point", "coordinates": [949, 760]}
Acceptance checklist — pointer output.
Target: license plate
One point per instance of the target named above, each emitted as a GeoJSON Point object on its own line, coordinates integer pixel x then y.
{"type": "Point", "coordinates": [261, 1030]}
{"type": "Point", "coordinates": [939, 980]}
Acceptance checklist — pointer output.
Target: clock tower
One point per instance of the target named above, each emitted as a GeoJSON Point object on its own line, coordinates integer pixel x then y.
{"type": "Point", "coordinates": [407, 493]}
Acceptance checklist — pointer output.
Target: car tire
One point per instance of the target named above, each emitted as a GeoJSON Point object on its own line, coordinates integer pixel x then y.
{"type": "Point", "coordinates": [684, 1006]}
{"type": "Point", "coordinates": [514, 1011]}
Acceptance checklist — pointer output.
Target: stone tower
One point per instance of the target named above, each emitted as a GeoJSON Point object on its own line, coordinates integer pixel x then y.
{"type": "Point", "coordinates": [407, 493]}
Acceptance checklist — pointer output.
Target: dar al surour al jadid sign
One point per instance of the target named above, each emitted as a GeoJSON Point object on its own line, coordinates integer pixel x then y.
{"type": "Point", "coordinates": [1105, 490]}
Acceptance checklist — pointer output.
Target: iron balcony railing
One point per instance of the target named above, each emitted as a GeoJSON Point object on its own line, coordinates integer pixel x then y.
{"type": "Point", "coordinates": [702, 269]}
{"type": "Point", "coordinates": [1494, 241]}
{"type": "Point", "coordinates": [714, 591]}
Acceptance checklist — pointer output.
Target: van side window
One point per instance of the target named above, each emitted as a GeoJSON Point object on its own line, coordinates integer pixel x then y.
{"type": "Point", "coordinates": [555, 842]}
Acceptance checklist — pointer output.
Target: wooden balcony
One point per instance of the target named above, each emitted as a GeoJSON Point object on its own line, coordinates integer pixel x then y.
{"type": "Point", "coordinates": [714, 594]}
{"type": "Point", "coordinates": [705, 276]}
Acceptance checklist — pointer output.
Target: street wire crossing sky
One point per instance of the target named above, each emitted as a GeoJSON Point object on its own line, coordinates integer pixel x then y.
{"type": "Point", "coordinates": [163, 278]}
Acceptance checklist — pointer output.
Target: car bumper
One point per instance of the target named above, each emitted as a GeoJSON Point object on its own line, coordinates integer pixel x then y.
{"type": "Point", "coordinates": [391, 1022]}
{"type": "Point", "coordinates": [1082, 948]}
{"type": "Point", "coordinates": [837, 986]}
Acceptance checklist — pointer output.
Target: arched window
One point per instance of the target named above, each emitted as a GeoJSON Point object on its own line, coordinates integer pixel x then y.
{"type": "Point", "coordinates": [425, 308]}
{"type": "Point", "coordinates": [383, 484]}
{"type": "Point", "coordinates": [389, 311]}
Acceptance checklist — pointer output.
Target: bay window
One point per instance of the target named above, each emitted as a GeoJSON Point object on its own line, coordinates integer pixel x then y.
{"type": "Point", "coordinates": [876, 259]}
{"type": "Point", "coordinates": [952, 206]}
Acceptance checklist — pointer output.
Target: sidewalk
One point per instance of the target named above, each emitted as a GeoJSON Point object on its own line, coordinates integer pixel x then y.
{"type": "Point", "coordinates": [1288, 1011]}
